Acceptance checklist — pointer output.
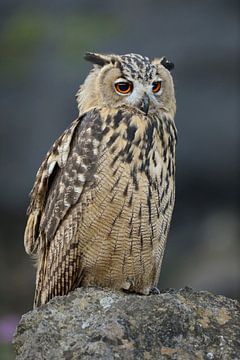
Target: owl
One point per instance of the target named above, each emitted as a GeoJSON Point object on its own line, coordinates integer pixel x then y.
{"type": "Point", "coordinates": [103, 198]}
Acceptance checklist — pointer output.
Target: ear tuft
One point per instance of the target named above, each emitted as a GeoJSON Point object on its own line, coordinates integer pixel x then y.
{"type": "Point", "coordinates": [167, 64]}
{"type": "Point", "coordinates": [97, 59]}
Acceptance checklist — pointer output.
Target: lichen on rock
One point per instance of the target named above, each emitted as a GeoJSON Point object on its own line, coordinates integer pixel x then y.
{"type": "Point", "coordinates": [93, 323]}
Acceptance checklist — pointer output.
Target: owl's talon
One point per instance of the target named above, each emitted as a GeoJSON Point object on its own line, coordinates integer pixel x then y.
{"type": "Point", "coordinates": [154, 291]}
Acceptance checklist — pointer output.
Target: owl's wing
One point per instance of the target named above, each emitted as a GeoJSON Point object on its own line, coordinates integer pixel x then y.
{"type": "Point", "coordinates": [61, 178]}
{"type": "Point", "coordinates": [52, 224]}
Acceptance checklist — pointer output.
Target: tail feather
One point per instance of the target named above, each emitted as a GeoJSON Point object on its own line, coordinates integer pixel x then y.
{"type": "Point", "coordinates": [58, 273]}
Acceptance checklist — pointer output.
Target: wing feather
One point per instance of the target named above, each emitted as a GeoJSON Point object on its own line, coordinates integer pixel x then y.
{"type": "Point", "coordinates": [59, 269]}
{"type": "Point", "coordinates": [61, 178]}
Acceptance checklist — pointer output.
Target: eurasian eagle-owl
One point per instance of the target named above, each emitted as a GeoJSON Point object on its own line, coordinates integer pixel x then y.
{"type": "Point", "coordinates": [103, 197]}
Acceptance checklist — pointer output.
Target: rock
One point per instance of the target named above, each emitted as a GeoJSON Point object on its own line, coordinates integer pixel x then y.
{"type": "Point", "coordinates": [103, 324]}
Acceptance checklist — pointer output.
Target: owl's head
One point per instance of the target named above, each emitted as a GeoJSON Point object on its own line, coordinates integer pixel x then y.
{"type": "Point", "coordinates": [128, 80]}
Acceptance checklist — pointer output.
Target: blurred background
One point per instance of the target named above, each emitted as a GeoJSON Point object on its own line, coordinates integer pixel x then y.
{"type": "Point", "coordinates": [41, 67]}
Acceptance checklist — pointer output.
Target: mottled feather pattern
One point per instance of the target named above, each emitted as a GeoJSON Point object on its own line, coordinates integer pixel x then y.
{"type": "Point", "coordinates": [103, 197]}
{"type": "Point", "coordinates": [137, 66]}
{"type": "Point", "coordinates": [71, 179]}
{"type": "Point", "coordinates": [116, 205]}
{"type": "Point", "coordinates": [56, 156]}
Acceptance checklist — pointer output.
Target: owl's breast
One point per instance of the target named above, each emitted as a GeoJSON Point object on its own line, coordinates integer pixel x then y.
{"type": "Point", "coordinates": [129, 205]}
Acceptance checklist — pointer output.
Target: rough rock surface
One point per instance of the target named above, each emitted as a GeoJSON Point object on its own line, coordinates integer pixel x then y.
{"type": "Point", "coordinates": [102, 324]}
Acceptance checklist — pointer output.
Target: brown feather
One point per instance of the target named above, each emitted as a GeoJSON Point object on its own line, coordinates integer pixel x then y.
{"type": "Point", "coordinates": [103, 198]}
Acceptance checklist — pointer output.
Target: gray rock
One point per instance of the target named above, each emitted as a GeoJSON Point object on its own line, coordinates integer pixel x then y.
{"type": "Point", "coordinates": [102, 324]}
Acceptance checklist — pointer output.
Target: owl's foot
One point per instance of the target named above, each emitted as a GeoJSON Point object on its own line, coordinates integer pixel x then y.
{"type": "Point", "coordinates": [154, 291]}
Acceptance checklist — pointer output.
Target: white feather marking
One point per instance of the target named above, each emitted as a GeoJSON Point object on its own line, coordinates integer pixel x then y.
{"type": "Point", "coordinates": [78, 189]}
{"type": "Point", "coordinates": [81, 177]}
{"type": "Point", "coordinates": [51, 167]}
{"type": "Point", "coordinates": [79, 161]}
{"type": "Point", "coordinates": [63, 151]}
{"type": "Point", "coordinates": [95, 142]}
{"type": "Point", "coordinates": [84, 166]}
{"type": "Point", "coordinates": [66, 203]}
{"type": "Point", "coordinates": [157, 169]}
{"type": "Point", "coordinates": [61, 187]}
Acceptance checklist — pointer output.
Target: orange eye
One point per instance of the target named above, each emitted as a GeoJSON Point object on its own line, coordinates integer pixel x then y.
{"type": "Point", "coordinates": [123, 87]}
{"type": "Point", "coordinates": [156, 86]}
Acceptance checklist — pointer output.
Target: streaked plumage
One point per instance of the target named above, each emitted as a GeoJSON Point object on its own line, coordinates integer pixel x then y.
{"type": "Point", "coordinates": [103, 198]}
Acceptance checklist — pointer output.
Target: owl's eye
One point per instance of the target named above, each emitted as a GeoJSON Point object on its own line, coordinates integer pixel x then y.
{"type": "Point", "coordinates": [156, 86]}
{"type": "Point", "coordinates": [124, 87]}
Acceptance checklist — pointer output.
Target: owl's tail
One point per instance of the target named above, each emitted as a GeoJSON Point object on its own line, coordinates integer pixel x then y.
{"type": "Point", "coordinates": [58, 271]}
{"type": "Point", "coordinates": [41, 291]}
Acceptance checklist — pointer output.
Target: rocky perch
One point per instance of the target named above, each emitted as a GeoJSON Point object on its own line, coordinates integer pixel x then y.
{"type": "Point", "coordinates": [102, 324]}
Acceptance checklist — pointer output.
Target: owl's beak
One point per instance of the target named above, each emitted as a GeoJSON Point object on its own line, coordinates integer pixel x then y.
{"type": "Point", "coordinates": [144, 105]}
